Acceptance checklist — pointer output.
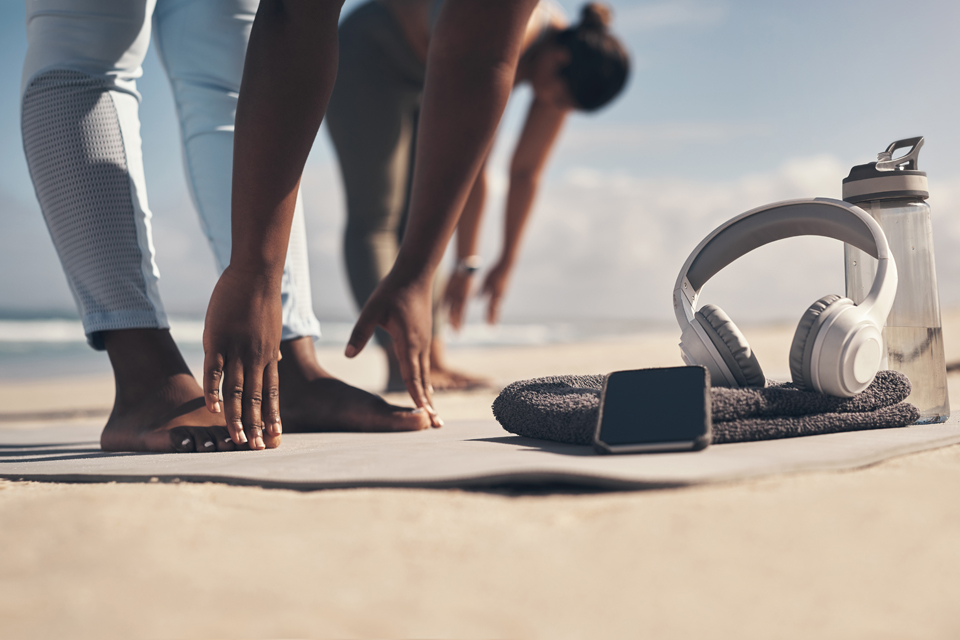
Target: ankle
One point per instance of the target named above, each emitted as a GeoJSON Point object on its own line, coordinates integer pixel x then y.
{"type": "Point", "coordinates": [298, 362]}
{"type": "Point", "coordinates": [144, 362]}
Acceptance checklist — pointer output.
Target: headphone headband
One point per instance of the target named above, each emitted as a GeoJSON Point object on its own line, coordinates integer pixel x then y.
{"type": "Point", "coordinates": [769, 223]}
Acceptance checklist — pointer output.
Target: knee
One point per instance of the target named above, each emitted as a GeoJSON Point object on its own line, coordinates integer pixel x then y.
{"type": "Point", "coordinates": [83, 36]}
{"type": "Point", "coordinates": [371, 229]}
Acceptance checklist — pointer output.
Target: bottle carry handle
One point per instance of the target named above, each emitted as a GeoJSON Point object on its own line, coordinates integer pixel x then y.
{"type": "Point", "coordinates": [886, 161]}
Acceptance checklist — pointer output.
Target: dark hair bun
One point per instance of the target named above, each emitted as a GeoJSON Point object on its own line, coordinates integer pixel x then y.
{"type": "Point", "coordinates": [595, 15]}
{"type": "Point", "coordinates": [599, 64]}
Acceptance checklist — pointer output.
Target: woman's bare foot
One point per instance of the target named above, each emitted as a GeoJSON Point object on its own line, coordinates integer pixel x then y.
{"type": "Point", "coordinates": [442, 380]}
{"type": "Point", "coordinates": [159, 405]}
{"type": "Point", "coordinates": [442, 377]}
{"type": "Point", "coordinates": [313, 400]}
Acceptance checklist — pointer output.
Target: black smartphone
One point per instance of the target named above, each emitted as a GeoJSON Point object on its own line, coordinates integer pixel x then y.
{"type": "Point", "coordinates": [649, 410]}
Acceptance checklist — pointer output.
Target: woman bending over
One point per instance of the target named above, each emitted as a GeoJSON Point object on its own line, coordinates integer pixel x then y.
{"type": "Point", "coordinates": [373, 116]}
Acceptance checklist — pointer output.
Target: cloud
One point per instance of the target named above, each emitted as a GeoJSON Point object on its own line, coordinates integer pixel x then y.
{"type": "Point", "coordinates": [588, 137]}
{"type": "Point", "coordinates": [607, 244]}
{"type": "Point", "coordinates": [648, 17]}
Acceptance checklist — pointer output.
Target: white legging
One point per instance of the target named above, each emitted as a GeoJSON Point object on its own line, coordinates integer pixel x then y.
{"type": "Point", "coordinates": [81, 135]}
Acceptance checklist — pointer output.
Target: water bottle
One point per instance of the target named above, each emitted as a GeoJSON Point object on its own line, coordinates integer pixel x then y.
{"type": "Point", "coordinates": [894, 191]}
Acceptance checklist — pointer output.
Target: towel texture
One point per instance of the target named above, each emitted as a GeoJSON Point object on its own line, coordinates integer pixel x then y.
{"type": "Point", "coordinates": [565, 408]}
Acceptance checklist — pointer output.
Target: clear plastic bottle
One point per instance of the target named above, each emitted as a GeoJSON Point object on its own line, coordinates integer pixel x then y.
{"type": "Point", "coordinates": [895, 197]}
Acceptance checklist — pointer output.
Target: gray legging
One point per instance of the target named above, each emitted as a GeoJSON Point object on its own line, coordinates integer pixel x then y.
{"type": "Point", "coordinates": [81, 137]}
{"type": "Point", "coordinates": [372, 119]}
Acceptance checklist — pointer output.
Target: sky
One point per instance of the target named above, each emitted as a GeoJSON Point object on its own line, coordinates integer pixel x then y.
{"type": "Point", "coordinates": [730, 105]}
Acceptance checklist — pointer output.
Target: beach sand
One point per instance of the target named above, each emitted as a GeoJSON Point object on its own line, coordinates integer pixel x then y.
{"type": "Point", "coordinates": [871, 553]}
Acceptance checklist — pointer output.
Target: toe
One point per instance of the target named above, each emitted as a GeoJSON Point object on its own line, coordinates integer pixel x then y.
{"type": "Point", "coordinates": [204, 439]}
{"type": "Point", "coordinates": [410, 419]}
{"type": "Point", "coordinates": [181, 440]}
{"type": "Point", "coordinates": [223, 439]}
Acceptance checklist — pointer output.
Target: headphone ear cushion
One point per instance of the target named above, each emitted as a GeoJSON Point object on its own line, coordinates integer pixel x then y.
{"type": "Point", "coordinates": [802, 348]}
{"type": "Point", "coordinates": [732, 345]}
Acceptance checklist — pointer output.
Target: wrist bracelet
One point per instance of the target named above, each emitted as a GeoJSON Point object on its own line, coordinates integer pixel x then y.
{"type": "Point", "coordinates": [469, 265]}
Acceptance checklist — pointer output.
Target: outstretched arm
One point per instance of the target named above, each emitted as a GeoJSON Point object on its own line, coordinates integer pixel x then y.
{"type": "Point", "coordinates": [543, 124]}
{"type": "Point", "coordinates": [288, 77]}
{"type": "Point", "coordinates": [471, 67]}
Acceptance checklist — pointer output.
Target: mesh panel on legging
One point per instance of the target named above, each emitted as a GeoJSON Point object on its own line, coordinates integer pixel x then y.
{"type": "Point", "coordinates": [75, 152]}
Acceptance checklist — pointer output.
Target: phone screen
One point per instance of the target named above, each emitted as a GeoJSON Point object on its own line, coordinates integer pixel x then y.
{"type": "Point", "coordinates": [655, 406]}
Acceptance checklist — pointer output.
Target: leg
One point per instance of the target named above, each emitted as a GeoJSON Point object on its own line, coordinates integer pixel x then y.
{"type": "Point", "coordinates": [371, 119]}
{"type": "Point", "coordinates": [202, 45]}
{"type": "Point", "coordinates": [81, 137]}
{"type": "Point", "coordinates": [372, 123]}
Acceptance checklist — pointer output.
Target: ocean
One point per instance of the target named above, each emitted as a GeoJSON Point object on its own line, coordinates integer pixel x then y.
{"type": "Point", "coordinates": [45, 348]}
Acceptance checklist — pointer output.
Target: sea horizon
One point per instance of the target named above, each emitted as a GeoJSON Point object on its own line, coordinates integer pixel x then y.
{"type": "Point", "coordinates": [52, 344]}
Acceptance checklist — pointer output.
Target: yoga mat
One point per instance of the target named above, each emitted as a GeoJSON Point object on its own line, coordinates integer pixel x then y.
{"type": "Point", "coordinates": [461, 454]}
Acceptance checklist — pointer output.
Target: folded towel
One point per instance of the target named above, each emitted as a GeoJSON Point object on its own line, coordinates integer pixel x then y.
{"type": "Point", "coordinates": [565, 408]}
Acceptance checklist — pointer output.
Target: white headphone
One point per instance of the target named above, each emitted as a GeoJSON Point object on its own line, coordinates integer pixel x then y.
{"type": "Point", "coordinates": [838, 345]}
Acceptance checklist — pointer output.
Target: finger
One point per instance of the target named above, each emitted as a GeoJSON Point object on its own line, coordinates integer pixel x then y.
{"type": "Point", "coordinates": [409, 360]}
{"type": "Point", "coordinates": [252, 401]}
{"type": "Point", "coordinates": [493, 309]}
{"type": "Point", "coordinates": [212, 374]}
{"type": "Point", "coordinates": [449, 293]}
{"type": "Point", "coordinates": [255, 436]}
{"type": "Point", "coordinates": [456, 313]}
{"type": "Point", "coordinates": [232, 400]}
{"type": "Point", "coordinates": [361, 332]}
{"type": "Point", "coordinates": [271, 398]}
{"type": "Point", "coordinates": [435, 420]}
{"type": "Point", "coordinates": [487, 287]}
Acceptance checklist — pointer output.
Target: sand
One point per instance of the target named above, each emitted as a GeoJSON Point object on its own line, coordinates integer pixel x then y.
{"type": "Point", "coordinates": [871, 553]}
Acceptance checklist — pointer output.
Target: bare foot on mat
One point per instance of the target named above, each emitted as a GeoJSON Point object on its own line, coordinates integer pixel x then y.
{"type": "Point", "coordinates": [313, 400]}
{"type": "Point", "coordinates": [159, 406]}
{"type": "Point", "coordinates": [442, 377]}
{"type": "Point", "coordinates": [444, 380]}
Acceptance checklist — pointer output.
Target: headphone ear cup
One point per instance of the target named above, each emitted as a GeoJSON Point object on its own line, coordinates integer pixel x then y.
{"type": "Point", "coordinates": [801, 350]}
{"type": "Point", "coordinates": [732, 345]}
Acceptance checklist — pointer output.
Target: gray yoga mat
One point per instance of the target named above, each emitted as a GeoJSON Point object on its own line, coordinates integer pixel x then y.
{"type": "Point", "coordinates": [462, 454]}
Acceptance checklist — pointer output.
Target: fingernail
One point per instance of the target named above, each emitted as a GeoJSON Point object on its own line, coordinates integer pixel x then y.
{"type": "Point", "coordinates": [243, 437]}
{"type": "Point", "coordinates": [431, 410]}
{"type": "Point", "coordinates": [208, 444]}
{"type": "Point", "coordinates": [216, 407]}
{"type": "Point", "coordinates": [350, 351]}
{"type": "Point", "coordinates": [440, 421]}
{"type": "Point", "coordinates": [430, 388]}
{"type": "Point", "coordinates": [417, 411]}
{"type": "Point", "coordinates": [260, 444]}
{"type": "Point", "coordinates": [185, 443]}
{"type": "Point", "coordinates": [275, 428]}
{"type": "Point", "coordinates": [227, 440]}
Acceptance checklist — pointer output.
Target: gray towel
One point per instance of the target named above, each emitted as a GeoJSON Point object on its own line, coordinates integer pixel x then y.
{"type": "Point", "coordinates": [564, 409]}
